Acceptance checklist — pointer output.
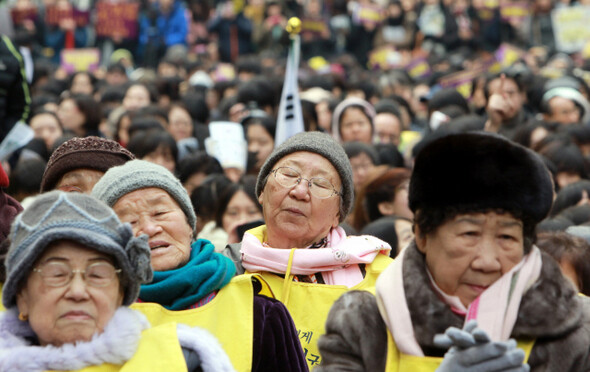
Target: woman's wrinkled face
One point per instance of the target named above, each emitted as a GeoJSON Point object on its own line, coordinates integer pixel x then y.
{"type": "Point", "coordinates": [154, 212]}
{"type": "Point", "coordinates": [180, 123]}
{"type": "Point", "coordinates": [137, 96]}
{"type": "Point", "coordinates": [471, 251]}
{"type": "Point", "coordinates": [240, 209]}
{"type": "Point", "coordinates": [294, 217]}
{"type": "Point", "coordinates": [71, 117]}
{"type": "Point", "coordinates": [76, 311]}
{"type": "Point", "coordinates": [355, 126]}
{"type": "Point", "coordinates": [79, 180]}
{"type": "Point", "coordinates": [47, 128]}
{"type": "Point", "coordinates": [260, 142]}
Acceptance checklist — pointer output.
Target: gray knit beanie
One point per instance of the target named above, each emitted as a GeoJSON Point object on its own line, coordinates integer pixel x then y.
{"type": "Point", "coordinates": [140, 174]}
{"type": "Point", "coordinates": [58, 215]}
{"type": "Point", "coordinates": [319, 143]}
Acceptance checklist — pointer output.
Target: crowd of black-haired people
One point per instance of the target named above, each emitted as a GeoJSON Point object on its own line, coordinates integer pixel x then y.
{"type": "Point", "coordinates": [434, 214]}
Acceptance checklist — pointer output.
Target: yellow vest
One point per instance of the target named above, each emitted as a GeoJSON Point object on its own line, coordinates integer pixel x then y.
{"type": "Point", "coordinates": [397, 361]}
{"type": "Point", "coordinates": [229, 317]}
{"type": "Point", "coordinates": [310, 303]}
{"type": "Point", "coordinates": [158, 350]}
{"type": "Point", "coordinates": [1, 305]}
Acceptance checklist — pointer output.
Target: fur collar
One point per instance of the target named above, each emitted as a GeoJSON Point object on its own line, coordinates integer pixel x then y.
{"type": "Point", "coordinates": [550, 294]}
{"type": "Point", "coordinates": [211, 355]}
{"type": "Point", "coordinates": [115, 345]}
{"type": "Point", "coordinates": [429, 314]}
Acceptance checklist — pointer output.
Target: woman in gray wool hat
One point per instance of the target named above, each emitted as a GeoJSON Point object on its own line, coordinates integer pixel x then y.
{"type": "Point", "coordinates": [306, 190]}
{"type": "Point", "coordinates": [193, 282]}
{"type": "Point", "coordinates": [72, 271]}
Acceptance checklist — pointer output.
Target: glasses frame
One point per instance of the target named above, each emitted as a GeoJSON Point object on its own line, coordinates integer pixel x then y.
{"type": "Point", "coordinates": [73, 272]}
{"type": "Point", "coordinates": [309, 183]}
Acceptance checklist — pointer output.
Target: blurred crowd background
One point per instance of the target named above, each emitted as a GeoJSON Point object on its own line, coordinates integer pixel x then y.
{"type": "Point", "coordinates": [157, 76]}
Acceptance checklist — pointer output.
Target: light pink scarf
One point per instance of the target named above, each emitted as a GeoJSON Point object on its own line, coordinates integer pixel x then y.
{"type": "Point", "coordinates": [338, 262]}
{"type": "Point", "coordinates": [495, 310]}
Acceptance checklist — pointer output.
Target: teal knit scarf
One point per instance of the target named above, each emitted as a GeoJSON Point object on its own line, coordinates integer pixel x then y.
{"type": "Point", "coordinates": [178, 289]}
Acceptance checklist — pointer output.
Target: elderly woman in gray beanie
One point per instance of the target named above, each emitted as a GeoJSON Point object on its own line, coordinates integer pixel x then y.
{"type": "Point", "coordinates": [306, 190]}
{"type": "Point", "coordinates": [72, 270]}
{"type": "Point", "coordinates": [191, 280]}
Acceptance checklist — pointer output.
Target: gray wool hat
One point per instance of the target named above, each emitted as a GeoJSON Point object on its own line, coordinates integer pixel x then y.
{"type": "Point", "coordinates": [319, 143]}
{"type": "Point", "coordinates": [140, 174]}
{"type": "Point", "coordinates": [58, 215]}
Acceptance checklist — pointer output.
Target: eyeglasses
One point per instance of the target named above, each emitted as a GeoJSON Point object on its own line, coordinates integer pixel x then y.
{"type": "Point", "coordinates": [59, 274]}
{"type": "Point", "coordinates": [319, 187]}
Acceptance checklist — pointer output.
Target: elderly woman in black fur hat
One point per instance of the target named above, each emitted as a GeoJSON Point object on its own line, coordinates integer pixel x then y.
{"type": "Point", "coordinates": [472, 277]}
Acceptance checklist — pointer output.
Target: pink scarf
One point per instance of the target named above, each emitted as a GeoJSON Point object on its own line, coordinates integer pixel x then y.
{"type": "Point", "coordinates": [495, 310]}
{"type": "Point", "coordinates": [338, 262]}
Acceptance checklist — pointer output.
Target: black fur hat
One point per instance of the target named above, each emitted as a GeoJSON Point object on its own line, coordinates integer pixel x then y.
{"type": "Point", "coordinates": [478, 171]}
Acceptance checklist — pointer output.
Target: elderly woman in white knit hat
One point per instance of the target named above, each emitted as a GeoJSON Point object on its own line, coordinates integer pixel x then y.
{"type": "Point", "coordinates": [306, 190]}
{"type": "Point", "coordinates": [72, 270]}
{"type": "Point", "coordinates": [477, 199]}
{"type": "Point", "coordinates": [191, 281]}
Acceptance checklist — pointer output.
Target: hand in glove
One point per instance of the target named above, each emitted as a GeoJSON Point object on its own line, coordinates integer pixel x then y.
{"type": "Point", "coordinates": [472, 350]}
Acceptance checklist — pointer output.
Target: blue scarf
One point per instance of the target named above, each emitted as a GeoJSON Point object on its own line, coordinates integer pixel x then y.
{"type": "Point", "coordinates": [178, 289]}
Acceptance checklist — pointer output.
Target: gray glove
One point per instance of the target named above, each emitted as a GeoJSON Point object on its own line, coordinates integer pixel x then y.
{"type": "Point", "coordinates": [471, 350]}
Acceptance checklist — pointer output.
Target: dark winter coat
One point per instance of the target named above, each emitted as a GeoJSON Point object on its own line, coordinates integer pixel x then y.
{"type": "Point", "coordinates": [15, 97]}
{"type": "Point", "coordinates": [551, 311]}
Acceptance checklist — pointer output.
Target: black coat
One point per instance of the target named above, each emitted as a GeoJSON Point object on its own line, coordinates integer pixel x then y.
{"type": "Point", "coordinates": [15, 96]}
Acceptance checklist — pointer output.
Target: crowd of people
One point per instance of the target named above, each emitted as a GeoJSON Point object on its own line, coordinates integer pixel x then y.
{"type": "Point", "coordinates": [433, 214]}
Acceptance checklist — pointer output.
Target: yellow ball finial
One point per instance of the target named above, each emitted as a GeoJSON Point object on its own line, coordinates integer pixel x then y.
{"type": "Point", "coordinates": [294, 26]}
